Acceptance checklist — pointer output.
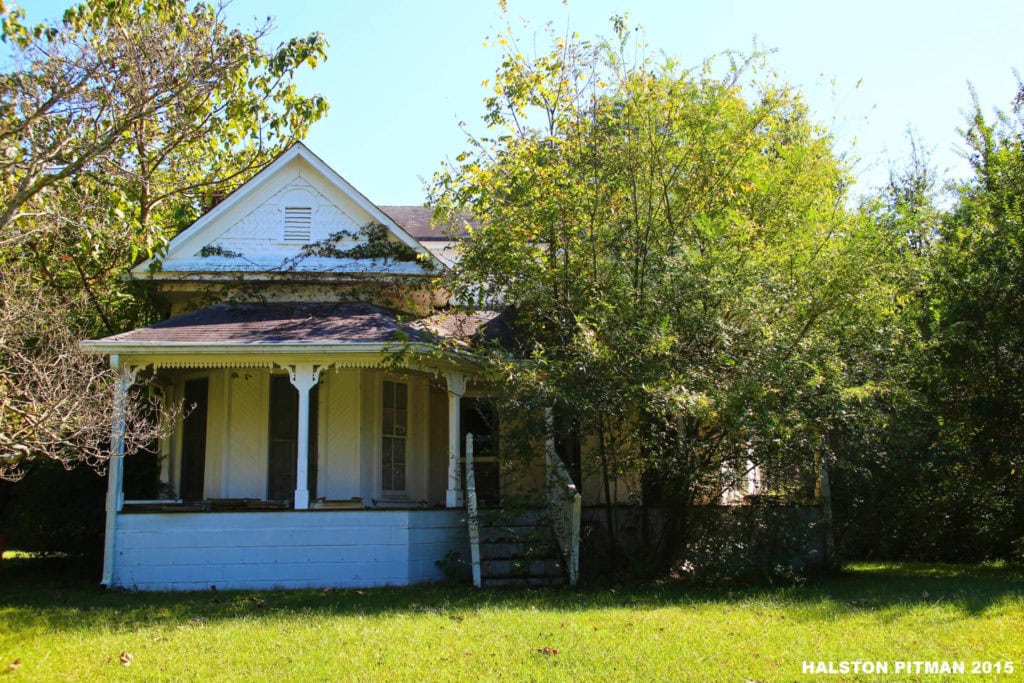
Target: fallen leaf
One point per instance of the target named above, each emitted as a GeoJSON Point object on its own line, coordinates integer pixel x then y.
{"type": "Point", "coordinates": [126, 659]}
{"type": "Point", "coordinates": [547, 651]}
{"type": "Point", "coordinates": [13, 666]}
{"type": "Point", "coordinates": [456, 617]}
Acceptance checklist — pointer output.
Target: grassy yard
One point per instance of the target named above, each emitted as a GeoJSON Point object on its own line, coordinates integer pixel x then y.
{"type": "Point", "coordinates": [61, 628]}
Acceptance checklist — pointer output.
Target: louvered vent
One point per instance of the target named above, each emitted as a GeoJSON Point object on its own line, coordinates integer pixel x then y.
{"type": "Point", "coordinates": [297, 223]}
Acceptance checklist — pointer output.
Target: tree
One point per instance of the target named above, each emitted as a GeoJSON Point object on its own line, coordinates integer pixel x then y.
{"type": "Point", "coordinates": [938, 477]}
{"type": "Point", "coordinates": [687, 279]}
{"type": "Point", "coordinates": [118, 124]}
{"type": "Point", "coordinates": [977, 335]}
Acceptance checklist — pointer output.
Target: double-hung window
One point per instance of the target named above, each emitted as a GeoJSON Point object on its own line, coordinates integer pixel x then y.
{"type": "Point", "coordinates": [394, 437]}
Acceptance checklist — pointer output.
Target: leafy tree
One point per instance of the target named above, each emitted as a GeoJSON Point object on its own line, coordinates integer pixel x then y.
{"type": "Point", "coordinates": [688, 283]}
{"type": "Point", "coordinates": [938, 477]}
{"type": "Point", "coordinates": [118, 123]}
{"type": "Point", "coordinates": [978, 345]}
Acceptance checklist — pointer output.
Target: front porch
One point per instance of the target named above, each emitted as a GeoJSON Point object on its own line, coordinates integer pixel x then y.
{"type": "Point", "coordinates": [295, 434]}
{"type": "Point", "coordinates": [332, 411]}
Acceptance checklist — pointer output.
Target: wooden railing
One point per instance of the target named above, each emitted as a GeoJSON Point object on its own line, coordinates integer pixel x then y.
{"type": "Point", "coordinates": [471, 513]}
{"type": "Point", "coordinates": [564, 506]}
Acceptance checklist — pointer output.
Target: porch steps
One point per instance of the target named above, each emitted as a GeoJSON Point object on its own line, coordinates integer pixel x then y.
{"type": "Point", "coordinates": [519, 552]}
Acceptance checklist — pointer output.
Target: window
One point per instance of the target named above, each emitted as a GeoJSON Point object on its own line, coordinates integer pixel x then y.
{"type": "Point", "coordinates": [298, 222]}
{"type": "Point", "coordinates": [393, 439]}
{"type": "Point", "coordinates": [193, 439]}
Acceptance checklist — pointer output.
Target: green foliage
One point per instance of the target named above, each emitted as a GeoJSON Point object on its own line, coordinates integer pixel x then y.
{"type": "Point", "coordinates": [216, 250]}
{"type": "Point", "coordinates": [688, 282]}
{"type": "Point", "coordinates": [374, 241]}
{"type": "Point", "coordinates": [117, 123]}
{"type": "Point", "coordinates": [127, 115]}
{"type": "Point", "coordinates": [760, 544]}
{"type": "Point", "coordinates": [942, 475]}
{"type": "Point", "coordinates": [977, 334]}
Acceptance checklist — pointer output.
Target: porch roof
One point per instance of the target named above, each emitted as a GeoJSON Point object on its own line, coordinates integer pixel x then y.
{"type": "Point", "coordinates": [291, 327]}
{"type": "Point", "coordinates": [275, 323]}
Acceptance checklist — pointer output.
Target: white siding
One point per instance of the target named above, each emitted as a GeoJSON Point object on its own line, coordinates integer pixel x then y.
{"type": "Point", "coordinates": [340, 434]}
{"type": "Point", "coordinates": [263, 550]}
{"type": "Point", "coordinates": [418, 460]}
{"type": "Point", "coordinates": [370, 430]}
{"type": "Point", "coordinates": [247, 430]}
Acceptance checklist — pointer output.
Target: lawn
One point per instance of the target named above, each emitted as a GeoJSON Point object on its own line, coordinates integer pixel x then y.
{"type": "Point", "coordinates": [60, 628]}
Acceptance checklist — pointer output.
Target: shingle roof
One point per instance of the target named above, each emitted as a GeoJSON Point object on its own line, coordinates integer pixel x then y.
{"type": "Point", "coordinates": [311, 323]}
{"type": "Point", "coordinates": [467, 327]}
{"type": "Point", "coordinates": [417, 221]}
{"type": "Point", "coordinates": [277, 323]}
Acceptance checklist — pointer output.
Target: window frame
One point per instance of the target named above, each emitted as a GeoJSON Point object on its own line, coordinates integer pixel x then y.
{"type": "Point", "coordinates": [394, 431]}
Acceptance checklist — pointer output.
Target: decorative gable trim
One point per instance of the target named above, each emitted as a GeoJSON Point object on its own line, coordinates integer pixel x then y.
{"type": "Point", "coordinates": [292, 223]}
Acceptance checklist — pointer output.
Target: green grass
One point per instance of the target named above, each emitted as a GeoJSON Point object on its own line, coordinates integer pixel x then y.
{"type": "Point", "coordinates": [63, 629]}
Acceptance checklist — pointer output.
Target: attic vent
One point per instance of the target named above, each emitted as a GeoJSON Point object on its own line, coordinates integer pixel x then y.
{"type": "Point", "coordinates": [297, 223]}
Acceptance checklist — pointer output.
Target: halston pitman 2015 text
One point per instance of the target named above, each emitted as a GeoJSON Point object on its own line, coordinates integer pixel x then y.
{"type": "Point", "coordinates": [908, 667]}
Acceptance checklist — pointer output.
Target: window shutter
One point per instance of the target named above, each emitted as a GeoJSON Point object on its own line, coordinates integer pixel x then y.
{"type": "Point", "coordinates": [298, 222]}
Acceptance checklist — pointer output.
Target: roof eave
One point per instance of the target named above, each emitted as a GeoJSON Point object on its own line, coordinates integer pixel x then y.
{"type": "Point", "coordinates": [178, 349]}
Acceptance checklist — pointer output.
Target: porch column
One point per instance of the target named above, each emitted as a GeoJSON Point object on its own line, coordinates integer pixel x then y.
{"type": "Point", "coordinates": [304, 377]}
{"type": "Point", "coordinates": [115, 465]}
{"type": "Point", "coordinates": [456, 389]}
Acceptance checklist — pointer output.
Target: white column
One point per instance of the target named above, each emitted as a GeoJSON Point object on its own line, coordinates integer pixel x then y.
{"type": "Point", "coordinates": [115, 465]}
{"type": "Point", "coordinates": [456, 390]}
{"type": "Point", "coordinates": [304, 377]}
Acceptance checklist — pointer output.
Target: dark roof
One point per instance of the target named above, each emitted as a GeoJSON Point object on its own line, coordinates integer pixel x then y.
{"type": "Point", "coordinates": [418, 222]}
{"type": "Point", "coordinates": [277, 323]}
{"type": "Point", "coordinates": [314, 323]}
{"type": "Point", "coordinates": [468, 327]}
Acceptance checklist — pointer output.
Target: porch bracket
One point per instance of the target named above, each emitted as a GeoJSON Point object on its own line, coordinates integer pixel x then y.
{"type": "Point", "coordinates": [303, 376]}
{"type": "Point", "coordinates": [127, 375]}
{"type": "Point", "coordinates": [456, 390]}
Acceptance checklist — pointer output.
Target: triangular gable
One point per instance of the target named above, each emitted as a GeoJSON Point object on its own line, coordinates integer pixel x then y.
{"type": "Point", "coordinates": [279, 221]}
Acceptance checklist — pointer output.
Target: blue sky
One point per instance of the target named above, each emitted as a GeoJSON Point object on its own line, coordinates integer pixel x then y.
{"type": "Point", "coordinates": [402, 74]}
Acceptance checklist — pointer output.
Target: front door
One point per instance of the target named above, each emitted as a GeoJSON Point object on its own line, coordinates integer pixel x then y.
{"type": "Point", "coordinates": [283, 439]}
{"type": "Point", "coordinates": [479, 417]}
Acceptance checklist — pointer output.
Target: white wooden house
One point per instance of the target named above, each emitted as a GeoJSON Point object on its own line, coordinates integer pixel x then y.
{"type": "Point", "coordinates": [310, 453]}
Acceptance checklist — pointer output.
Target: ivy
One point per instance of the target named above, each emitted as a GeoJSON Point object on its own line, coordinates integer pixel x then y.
{"type": "Point", "coordinates": [217, 250]}
{"type": "Point", "coordinates": [373, 244]}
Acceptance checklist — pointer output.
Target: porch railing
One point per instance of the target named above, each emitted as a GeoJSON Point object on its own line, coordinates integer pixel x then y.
{"type": "Point", "coordinates": [471, 513]}
{"type": "Point", "coordinates": [564, 507]}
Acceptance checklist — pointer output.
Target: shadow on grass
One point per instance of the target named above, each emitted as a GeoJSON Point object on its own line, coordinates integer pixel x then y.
{"type": "Point", "coordinates": [62, 594]}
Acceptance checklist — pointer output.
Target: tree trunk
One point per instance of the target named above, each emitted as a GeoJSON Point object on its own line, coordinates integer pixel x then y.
{"type": "Point", "coordinates": [824, 499]}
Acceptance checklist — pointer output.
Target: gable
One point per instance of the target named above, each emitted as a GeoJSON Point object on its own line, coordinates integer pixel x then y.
{"type": "Point", "coordinates": [295, 216]}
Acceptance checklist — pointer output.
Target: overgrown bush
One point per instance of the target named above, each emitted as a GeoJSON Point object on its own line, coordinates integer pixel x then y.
{"type": "Point", "coordinates": [752, 544]}
{"type": "Point", "coordinates": [54, 511]}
